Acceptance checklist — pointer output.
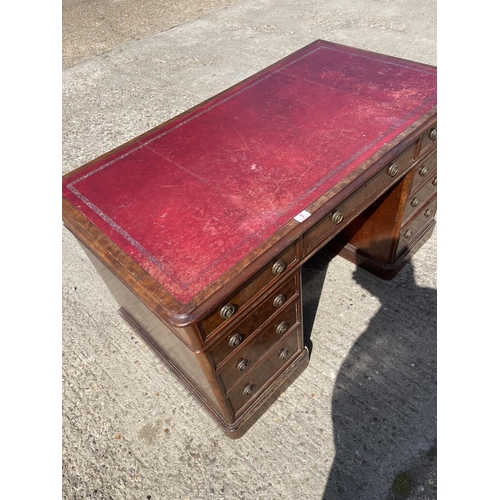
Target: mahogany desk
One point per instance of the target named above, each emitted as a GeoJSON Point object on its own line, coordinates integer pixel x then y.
{"type": "Point", "coordinates": [200, 226]}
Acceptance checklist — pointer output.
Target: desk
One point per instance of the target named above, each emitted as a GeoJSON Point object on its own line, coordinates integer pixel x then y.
{"type": "Point", "coordinates": [200, 226]}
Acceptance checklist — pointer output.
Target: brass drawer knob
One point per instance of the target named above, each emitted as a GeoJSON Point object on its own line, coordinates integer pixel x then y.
{"type": "Point", "coordinates": [278, 267]}
{"type": "Point", "coordinates": [423, 171]}
{"type": "Point", "coordinates": [435, 181]}
{"type": "Point", "coordinates": [227, 311]}
{"type": "Point", "coordinates": [337, 217]}
{"type": "Point", "coordinates": [392, 170]}
{"type": "Point", "coordinates": [415, 202]}
{"type": "Point", "coordinates": [284, 354]}
{"type": "Point", "coordinates": [433, 134]}
{"type": "Point", "coordinates": [235, 340]}
{"type": "Point", "coordinates": [408, 233]}
{"type": "Point", "coordinates": [249, 388]}
{"type": "Point", "coordinates": [279, 300]}
{"type": "Point", "coordinates": [282, 328]}
{"type": "Point", "coordinates": [243, 365]}
{"type": "Point", "coordinates": [428, 213]}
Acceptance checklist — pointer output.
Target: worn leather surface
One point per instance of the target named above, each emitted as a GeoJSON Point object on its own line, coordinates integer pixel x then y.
{"type": "Point", "coordinates": [190, 200]}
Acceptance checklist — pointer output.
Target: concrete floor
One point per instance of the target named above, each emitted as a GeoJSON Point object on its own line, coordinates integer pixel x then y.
{"type": "Point", "coordinates": [92, 27]}
{"type": "Point", "coordinates": [365, 407]}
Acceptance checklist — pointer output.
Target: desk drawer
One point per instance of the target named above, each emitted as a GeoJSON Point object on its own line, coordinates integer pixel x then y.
{"type": "Point", "coordinates": [231, 307]}
{"type": "Point", "coordinates": [239, 337]}
{"type": "Point", "coordinates": [256, 347]}
{"type": "Point", "coordinates": [251, 386]}
{"type": "Point", "coordinates": [428, 139]}
{"type": "Point", "coordinates": [424, 172]}
{"type": "Point", "coordinates": [327, 226]}
{"type": "Point", "coordinates": [419, 198]}
{"type": "Point", "coordinates": [411, 230]}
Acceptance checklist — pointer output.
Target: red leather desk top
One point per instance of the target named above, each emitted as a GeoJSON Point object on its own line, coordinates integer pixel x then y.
{"type": "Point", "coordinates": [194, 197]}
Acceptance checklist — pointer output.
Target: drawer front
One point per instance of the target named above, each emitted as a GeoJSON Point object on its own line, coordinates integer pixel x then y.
{"type": "Point", "coordinates": [239, 337]}
{"type": "Point", "coordinates": [229, 309]}
{"type": "Point", "coordinates": [237, 366]}
{"type": "Point", "coordinates": [419, 198]}
{"type": "Point", "coordinates": [251, 386]}
{"type": "Point", "coordinates": [424, 172]}
{"type": "Point", "coordinates": [416, 224]}
{"type": "Point", "coordinates": [429, 139]}
{"type": "Point", "coordinates": [339, 217]}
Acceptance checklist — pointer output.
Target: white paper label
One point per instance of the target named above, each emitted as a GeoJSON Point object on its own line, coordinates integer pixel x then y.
{"type": "Point", "coordinates": [302, 216]}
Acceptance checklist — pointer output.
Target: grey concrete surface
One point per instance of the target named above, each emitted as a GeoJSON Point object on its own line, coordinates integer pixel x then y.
{"type": "Point", "coordinates": [364, 409]}
{"type": "Point", "coordinates": [93, 27]}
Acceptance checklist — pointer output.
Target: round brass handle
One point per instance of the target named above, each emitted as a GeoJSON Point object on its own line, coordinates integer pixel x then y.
{"type": "Point", "coordinates": [392, 170]}
{"type": "Point", "coordinates": [415, 202]}
{"type": "Point", "coordinates": [227, 311]}
{"type": "Point", "coordinates": [433, 134]}
{"type": "Point", "coordinates": [284, 353]}
{"type": "Point", "coordinates": [337, 217]}
{"type": "Point", "coordinates": [235, 340]}
{"type": "Point", "coordinates": [428, 213]}
{"type": "Point", "coordinates": [435, 181]}
{"type": "Point", "coordinates": [423, 171]}
{"type": "Point", "coordinates": [282, 328]}
{"type": "Point", "coordinates": [408, 233]}
{"type": "Point", "coordinates": [243, 365]}
{"type": "Point", "coordinates": [279, 300]}
{"type": "Point", "coordinates": [249, 388]}
{"type": "Point", "coordinates": [278, 267]}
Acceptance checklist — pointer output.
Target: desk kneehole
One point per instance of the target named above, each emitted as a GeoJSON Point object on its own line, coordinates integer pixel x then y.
{"type": "Point", "coordinates": [352, 205]}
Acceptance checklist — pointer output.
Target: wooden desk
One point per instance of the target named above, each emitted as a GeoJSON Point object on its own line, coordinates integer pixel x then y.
{"type": "Point", "coordinates": [200, 226]}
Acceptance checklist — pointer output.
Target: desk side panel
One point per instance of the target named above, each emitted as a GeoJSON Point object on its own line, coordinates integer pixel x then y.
{"type": "Point", "coordinates": [191, 368]}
